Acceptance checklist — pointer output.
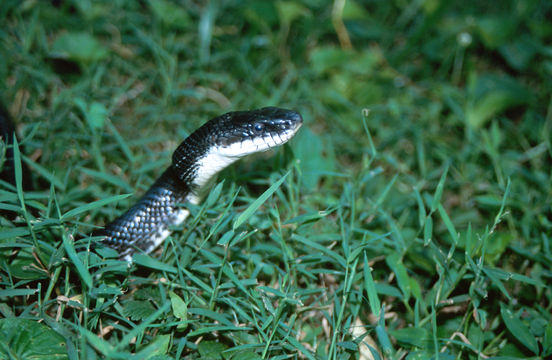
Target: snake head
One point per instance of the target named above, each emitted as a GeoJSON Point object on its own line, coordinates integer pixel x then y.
{"type": "Point", "coordinates": [246, 132]}
{"type": "Point", "coordinates": [229, 137]}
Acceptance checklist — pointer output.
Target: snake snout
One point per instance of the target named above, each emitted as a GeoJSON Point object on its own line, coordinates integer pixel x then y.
{"type": "Point", "coordinates": [295, 118]}
{"type": "Point", "coordinates": [292, 122]}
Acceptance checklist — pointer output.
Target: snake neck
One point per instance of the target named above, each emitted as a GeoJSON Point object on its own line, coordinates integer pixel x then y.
{"type": "Point", "coordinates": [196, 161]}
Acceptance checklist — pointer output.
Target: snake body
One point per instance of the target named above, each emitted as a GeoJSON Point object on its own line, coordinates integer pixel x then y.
{"type": "Point", "coordinates": [212, 147]}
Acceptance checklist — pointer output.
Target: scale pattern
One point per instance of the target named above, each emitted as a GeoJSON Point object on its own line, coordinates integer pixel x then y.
{"type": "Point", "coordinates": [144, 225]}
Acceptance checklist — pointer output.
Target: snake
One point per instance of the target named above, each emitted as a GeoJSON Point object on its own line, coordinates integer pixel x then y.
{"type": "Point", "coordinates": [215, 145]}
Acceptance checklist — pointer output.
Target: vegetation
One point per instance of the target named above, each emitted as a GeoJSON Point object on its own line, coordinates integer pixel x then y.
{"type": "Point", "coordinates": [413, 220]}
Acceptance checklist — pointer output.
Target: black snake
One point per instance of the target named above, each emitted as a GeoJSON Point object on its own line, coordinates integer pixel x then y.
{"type": "Point", "coordinates": [215, 145]}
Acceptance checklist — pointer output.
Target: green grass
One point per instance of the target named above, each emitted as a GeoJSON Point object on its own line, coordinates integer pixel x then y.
{"type": "Point", "coordinates": [413, 219]}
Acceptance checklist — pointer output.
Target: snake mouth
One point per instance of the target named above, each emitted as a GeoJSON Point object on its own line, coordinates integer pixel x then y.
{"type": "Point", "coordinates": [249, 145]}
{"type": "Point", "coordinates": [262, 130]}
{"type": "Point", "coordinates": [286, 130]}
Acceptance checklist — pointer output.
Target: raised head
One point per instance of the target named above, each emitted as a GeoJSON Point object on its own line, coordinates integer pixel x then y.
{"type": "Point", "coordinates": [231, 136]}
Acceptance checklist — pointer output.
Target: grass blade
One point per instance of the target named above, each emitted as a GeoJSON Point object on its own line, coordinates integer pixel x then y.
{"type": "Point", "coordinates": [108, 178]}
{"type": "Point", "coordinates": [81, 269]}
{"type": "Point", "coordinates": [36, 168]}
{"type": "Point", "coordinates": [448, 223]}
{"type": "Point", "coordinates": [519, 330]}
{"type": "Point", "coordinates": [428, 230]}
{"type": "Point", "coordinates": [439, 191]}
{"type": "Point", "coordinates": [152, 263]}
{"type": "Point", "coordinates": [257, 203]}
{"type": "Point", "coordinates": [370, 286]}
{"type": "Point", "coordinates": [93, 205]}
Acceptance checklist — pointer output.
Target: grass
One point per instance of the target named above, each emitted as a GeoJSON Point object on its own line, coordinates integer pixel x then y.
{"type": "Point", "coordinates": [409, 219]}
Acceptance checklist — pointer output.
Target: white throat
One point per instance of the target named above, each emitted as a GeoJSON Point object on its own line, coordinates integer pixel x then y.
{"type": "Point", "coordinates": [219, 157]}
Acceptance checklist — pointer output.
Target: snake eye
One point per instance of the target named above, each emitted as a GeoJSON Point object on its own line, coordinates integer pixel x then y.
{"type": "Point", "coordinates": [258, 127]}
